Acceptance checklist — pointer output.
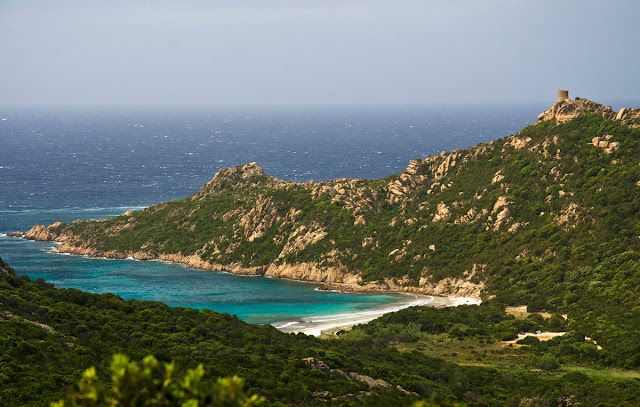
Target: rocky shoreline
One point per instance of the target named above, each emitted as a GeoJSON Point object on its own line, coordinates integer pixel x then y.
{"type": "Point", "coordinates": [330, 278]}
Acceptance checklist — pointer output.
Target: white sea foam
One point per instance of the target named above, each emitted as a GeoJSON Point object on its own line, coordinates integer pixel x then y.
{"type": "Point", "coordinates": [328, 291]}
{"type": "Point", "coordinates": [66, 210]}
{"type": "Point", "coordinates": [162, 261]}
{"type": "Point", "coordinates": [287, 324]}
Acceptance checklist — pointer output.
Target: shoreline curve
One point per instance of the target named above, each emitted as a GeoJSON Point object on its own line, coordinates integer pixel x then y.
{"type": "Point", "coordinates": [313, 325]}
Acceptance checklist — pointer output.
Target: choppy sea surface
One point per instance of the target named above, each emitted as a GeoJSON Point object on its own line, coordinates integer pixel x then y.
{"type": "Point", "coordinates": [66, 164]}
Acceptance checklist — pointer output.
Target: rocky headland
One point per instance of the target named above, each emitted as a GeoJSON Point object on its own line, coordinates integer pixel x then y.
{"type": "Point", "coordinates": [438, 228]}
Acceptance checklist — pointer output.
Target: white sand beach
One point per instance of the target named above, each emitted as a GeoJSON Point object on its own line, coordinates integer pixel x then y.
{"type": "Point", "coordinates": [317, 324]}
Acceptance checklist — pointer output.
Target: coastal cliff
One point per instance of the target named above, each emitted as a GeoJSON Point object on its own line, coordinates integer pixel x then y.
{"type": "Point", "coordinates": [450, 224]}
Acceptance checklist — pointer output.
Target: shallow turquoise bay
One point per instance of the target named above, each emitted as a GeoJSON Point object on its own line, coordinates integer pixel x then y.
{"type": "Point", "coordinates": [253, 299]}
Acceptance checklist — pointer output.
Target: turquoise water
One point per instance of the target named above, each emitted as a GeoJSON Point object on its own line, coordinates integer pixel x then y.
{"type": "Point", "coordinates": [253, 299]}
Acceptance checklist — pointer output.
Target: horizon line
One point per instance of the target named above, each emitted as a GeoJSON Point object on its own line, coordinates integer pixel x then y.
{"type": "Point", "coordinates": [550, 102]}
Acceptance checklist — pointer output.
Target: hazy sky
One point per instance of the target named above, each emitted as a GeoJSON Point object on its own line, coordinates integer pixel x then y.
{"type": "Point", "coordinates": [274, 52]}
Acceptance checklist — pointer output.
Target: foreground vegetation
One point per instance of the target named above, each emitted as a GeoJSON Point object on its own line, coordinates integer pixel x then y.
{"type": "Point", "coordinates": [49, 336]}
{"type": "Point", "coordinates": [154, 384]}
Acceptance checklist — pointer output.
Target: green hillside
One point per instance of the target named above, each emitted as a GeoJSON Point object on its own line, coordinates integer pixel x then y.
{"type": "Point", "coordinates": [49, 336]}
{"type": "Point", "coordinates": [527, 218]}
{"type": "Point", "coordinates": [542, 204]}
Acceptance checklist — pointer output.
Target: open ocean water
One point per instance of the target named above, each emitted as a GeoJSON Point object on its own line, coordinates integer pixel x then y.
{"type": "Point", "coordinates": [65, 164]}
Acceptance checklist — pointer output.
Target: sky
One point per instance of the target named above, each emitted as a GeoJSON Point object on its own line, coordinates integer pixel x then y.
{"type": "Point", "coordinates": [316, 52]}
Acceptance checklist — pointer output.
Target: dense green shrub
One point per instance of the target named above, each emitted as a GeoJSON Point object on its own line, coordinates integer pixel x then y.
{"type": "Point", "coordinates": [529, 340]}
{"type": "Point", "coordinates": [154, 383]}
{"type": "Point", "coordinates": [545, 362]}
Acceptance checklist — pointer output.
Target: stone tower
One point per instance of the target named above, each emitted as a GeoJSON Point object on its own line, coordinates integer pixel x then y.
{"type": "Point", "coordinates": [563, 95]}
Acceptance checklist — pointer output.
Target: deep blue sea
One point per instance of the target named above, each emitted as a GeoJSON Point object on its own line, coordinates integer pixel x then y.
{"type": "Point", "coordinates": [64, 164]}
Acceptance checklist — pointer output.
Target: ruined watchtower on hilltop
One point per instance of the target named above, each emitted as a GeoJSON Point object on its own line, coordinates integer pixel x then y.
{"type": "Point", "coordinates": [563, 95]}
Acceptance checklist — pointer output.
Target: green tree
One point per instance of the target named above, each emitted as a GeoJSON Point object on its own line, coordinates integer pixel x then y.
{"type": "Point", "coordinates": [155, 384]}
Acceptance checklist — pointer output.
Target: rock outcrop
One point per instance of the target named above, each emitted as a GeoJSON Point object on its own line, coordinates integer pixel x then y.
{"type": "Point", "coordinates": [504, 208]}
{"type": "Point", "coordinates": [242, 176]}
{"type": "Point", "coordinates": [317, 364]}
{"type": "Point", "coordinates": [311, 271]}
{"type": "Point", "coordinates": [192, 261]}
{"type": "Point", "coordinates": [629, 116]}
{"type": "Point", "coordinates": [43, 233]}
{"type": "Point", "coordinates": [567, 110]}
{"type": "Point", "coordinates": [604, 143]}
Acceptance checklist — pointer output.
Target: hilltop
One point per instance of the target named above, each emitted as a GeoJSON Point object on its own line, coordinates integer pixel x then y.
{"type": "Point", "coordinates": [567, 110]}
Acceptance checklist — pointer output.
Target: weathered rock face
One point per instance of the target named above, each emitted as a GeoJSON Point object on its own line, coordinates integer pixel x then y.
{"type": "Point", "coordinates": [193, 261]}
{"type": "Point", "coordinates": [605, 143]}
{"type": "Point", "coordinates": [569, 109]}
{"type": "Point", "coordinates": [42, 233]}
{"type": "Point", "coordinates": [371, 382]}
{"type": "Point", "coordinates": [450, 286]}
{"type": "Point", "coordinates": [629, 116]}
{"type": "Point", "coordinates": [518, 142]}
{"type": "Point", "coordinates": [242, 176]}
{"type": "Point", "coordinates": [312, 272]}
{"type": "Point", "coordinates": [301, 238]}
{"type": "Point", "coordinates": [317, 364]}
{"type": "Point", "coordinates": [504, 209]}
{"type": "Point", "coordinates": [258, 219]}
{"type": "Point", "coordinates": [442, 213]}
